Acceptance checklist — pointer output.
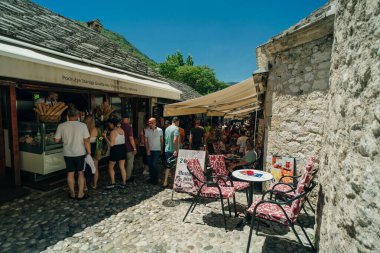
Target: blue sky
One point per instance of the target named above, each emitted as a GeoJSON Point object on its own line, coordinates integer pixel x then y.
{"type": "Point", "coordinates": [222, 34]}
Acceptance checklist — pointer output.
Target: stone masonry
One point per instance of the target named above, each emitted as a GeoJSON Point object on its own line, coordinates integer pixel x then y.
{"type": "Point", "coordinates": [296, 104]}
{"type": "Point", "coordinates": [348, 209]}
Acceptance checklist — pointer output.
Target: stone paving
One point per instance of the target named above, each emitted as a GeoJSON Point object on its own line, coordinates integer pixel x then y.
{"type": "Point", "coordinates": [141, 218]}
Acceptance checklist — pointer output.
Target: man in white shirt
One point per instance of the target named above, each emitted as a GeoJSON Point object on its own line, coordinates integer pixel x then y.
{"type": "Point", "coordinates": [76, 145]}
{"type": "Point", "coordinates": [153, 143]}
{"type": "Point", "coordinates": [241, 142]}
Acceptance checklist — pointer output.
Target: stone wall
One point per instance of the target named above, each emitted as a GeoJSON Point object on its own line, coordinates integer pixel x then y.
{"type": "Point", "coordinates": [296, 104]}
{"type": "Point", "coordinates": [348, 217]}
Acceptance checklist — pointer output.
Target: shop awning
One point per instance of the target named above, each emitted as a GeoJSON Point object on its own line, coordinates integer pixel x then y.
{"type": "Point", "coordinates": [22, 63]}
{"type": "Point", "coordinates": [241, 97]}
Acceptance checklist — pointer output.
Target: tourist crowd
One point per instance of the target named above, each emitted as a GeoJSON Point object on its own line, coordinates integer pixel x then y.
{"type": "Point", "coordinates": [155, 144]}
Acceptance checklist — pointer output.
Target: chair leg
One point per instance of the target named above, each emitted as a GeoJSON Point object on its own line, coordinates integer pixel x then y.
{"type": "Point", "coordinates": [250, 234]}
{"type": "Point", "coordinates": [172, 194]}
{"type": "Point", "coordinates": [304, 209]}
{"type": "Point", "coordinates": [235, 206]}
{"type": "Point", "coordinates": [307, 237]}
{"type": "Point", "coordinates": [295, 232]}
{"type": "Point", "coordinates": [229, 206]}
{"type": "Point", "coordinates": [192, 203]}
{"type": "Point", "coordinates": [188, 211]}
{"type": "Point", "coordinates": [197, 200]}
{"type": "Point", "coordinates": [310, 205]}
{"type": "Point", "coordinates": [246, 194]}
{"type": "Point", "coordinates": [257, 225]}
{"type": "Point", "coordinates": [224, 215]}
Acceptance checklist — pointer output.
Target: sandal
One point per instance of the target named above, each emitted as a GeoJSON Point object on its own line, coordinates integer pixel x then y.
{"type": "Point", "coordinates": [84, 197]}
{"type": "Point", "coordinates": [109, 187]}
{"type": "Point", "coordinates": [71, 197]}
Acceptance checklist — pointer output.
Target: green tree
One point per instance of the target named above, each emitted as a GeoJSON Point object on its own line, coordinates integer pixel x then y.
{"type": "Point", "coordinates": [189, 61]}
{"type": "Point", "coordinates": [201, 78]}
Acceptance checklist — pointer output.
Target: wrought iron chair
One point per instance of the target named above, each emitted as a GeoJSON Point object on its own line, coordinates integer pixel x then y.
{"type": "Point", "coordinates": [208, 189]}
{"type": "Point", "coordinates": [219, 170]}
{"type": "Point", "coordinates": [282, 212]}
{"type": "Point", "coordinates": [288, 190]}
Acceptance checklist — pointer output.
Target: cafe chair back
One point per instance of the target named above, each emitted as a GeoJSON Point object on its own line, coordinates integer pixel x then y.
{"type": "Point", "coordinates": [288, 191]}
{"type": "Point", "coordinates": [208, 189]}
{"type": "Point", "coordinates": [282, 212]}
{"type": "Point", "coordinates": [219, 169]}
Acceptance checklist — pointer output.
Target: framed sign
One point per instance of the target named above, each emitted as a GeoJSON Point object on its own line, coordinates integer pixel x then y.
{"type": "Point", "coordinates": [283, 166]}
{"type": "Point", "coordinates": [183, 181]}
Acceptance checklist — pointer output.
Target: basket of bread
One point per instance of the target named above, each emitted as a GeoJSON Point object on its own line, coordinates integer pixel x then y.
{"type": "Point", "coordinates": [48, 113]}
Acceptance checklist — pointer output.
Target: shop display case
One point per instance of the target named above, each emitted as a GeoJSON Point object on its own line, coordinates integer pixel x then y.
{"type": "Point", "coordinates": [38, 151]}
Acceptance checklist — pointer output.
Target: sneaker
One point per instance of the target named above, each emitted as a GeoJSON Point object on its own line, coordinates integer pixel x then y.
{"type": "Point", "coordinates": [122, 186]}
{"type": "Point", "coordinates": [109, 187]}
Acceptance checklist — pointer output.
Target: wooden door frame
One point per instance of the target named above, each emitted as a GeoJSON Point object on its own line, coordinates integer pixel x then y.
{"type": "Point", "coordinates": [2, 142]}
{"type": "Point", "coordinates": [13, 130]}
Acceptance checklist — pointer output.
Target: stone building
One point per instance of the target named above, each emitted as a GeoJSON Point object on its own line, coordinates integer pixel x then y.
{"type": "Point", "coordinates": [298, 83]}
{"type": "Point", "coordinates": [348, 210]}
{"type": "Point", "coordinates": [323, 99]}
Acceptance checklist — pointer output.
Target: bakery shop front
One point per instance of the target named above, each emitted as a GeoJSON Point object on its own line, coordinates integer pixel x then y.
{"type": "Point", "coordinates": [37, 88]}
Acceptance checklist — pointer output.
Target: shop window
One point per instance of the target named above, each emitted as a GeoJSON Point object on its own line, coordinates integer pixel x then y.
{"type": "Point", "coordinates": [116, 104]}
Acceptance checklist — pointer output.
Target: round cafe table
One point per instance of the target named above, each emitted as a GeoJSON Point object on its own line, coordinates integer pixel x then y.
{"type": "Point", "coordinates": [252, 176]}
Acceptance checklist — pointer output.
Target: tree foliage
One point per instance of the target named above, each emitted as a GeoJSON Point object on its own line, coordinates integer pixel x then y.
{"type": "Point", "coordinates": [201, 78]}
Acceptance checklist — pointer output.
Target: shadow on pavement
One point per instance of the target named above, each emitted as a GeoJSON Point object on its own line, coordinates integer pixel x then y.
{"type": "Point", "coordinates": [32, 224]}
{"type": "Point", "coordinates": [276, 244]}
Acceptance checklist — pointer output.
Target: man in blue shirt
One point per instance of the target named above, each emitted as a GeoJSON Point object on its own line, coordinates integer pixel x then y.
{"type": "Point", "coordinates": [171, 144]}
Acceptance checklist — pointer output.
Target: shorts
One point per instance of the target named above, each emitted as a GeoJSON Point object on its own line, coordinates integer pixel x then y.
{"type": "Point", "coordinates": [118, 153]}
{"type": "Point", "coordinates": [74, 163]}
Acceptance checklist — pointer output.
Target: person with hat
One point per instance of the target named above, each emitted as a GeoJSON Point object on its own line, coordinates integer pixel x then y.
{"type": "Point", "coordinates": [171, 144]}
{"type": "Point", "coordinates": [116, 141]}
{"type": "Point", "coordinates": [129, 145]}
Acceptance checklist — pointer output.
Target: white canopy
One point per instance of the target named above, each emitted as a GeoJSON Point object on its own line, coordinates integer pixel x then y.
{"type": "Point", "coordinates": [235, 100]}
{"type": "Point", "coordinates": [22, 63]}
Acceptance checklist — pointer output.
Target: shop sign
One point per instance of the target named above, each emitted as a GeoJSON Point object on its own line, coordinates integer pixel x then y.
{"type": "Point", "coordinates": [87, 82]}
{"type": "Point", "coordinates": [183, 181]}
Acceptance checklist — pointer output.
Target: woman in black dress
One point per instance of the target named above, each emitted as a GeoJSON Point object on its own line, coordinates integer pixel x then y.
{"type": "Point", "coordinates": [117, 152]}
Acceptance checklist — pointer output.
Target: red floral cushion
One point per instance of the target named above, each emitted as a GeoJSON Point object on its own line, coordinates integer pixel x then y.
{"type": "Point", "coordinates": [218, 165]}
{"type": "Point", "coordinates": [213, 192]}
{"type": "Point", "coordinates": [216, 148]}
{"type": "Point", "coordinates": [194, 166]}
{"type": "Point", "coordinates": [219, 169]}
{"type": "Point", "coordinates": [238, 185]}
{"type": "Point", "coordinates": [272, 212]}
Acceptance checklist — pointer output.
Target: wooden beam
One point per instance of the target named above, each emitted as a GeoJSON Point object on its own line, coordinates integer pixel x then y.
{"type": "Point", "coordinates": [2, 143]}
{"type": "Point", "coordinates": [15, 151]}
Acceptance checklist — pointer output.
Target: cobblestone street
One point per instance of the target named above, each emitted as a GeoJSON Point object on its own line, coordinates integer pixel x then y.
{"type": "Point", "coordinates": [141, 218]}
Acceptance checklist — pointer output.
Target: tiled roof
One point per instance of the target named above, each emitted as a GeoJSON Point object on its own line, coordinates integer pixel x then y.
{"type": "Point", "coordinates": [26, 21]}
{"type": "Point", "coordinates": [321, 13]}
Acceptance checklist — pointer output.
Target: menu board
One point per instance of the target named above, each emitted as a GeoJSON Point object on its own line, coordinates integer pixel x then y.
{"type": "Point", "coordinates": [183, 181]}
{"type": "Point", "coordinates": [283, 166]}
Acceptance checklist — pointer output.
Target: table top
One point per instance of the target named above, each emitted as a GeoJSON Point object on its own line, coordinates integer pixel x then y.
{"type": "Point", "coordinates": [257, 176]}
